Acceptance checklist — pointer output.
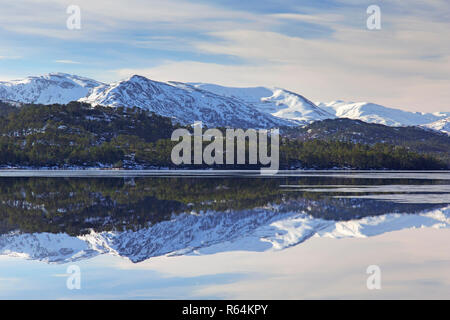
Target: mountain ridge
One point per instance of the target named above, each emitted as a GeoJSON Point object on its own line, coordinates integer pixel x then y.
{"type": "Point", "coordinates": [182, 103]}
{"type": "Point", "coordinates": [442, 125]}
{"type": "Point", "coordinates": [278, 102]}
{"type": "Point", "coordinates": [376, 113]}
{"type": "Point", "coordinates": [215, 105]}
{"type": "Point", "coordinates": [51, 88]}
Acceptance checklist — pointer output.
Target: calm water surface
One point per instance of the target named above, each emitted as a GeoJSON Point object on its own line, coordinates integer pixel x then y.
{"type": "Point", "coordinates": [153, 234]}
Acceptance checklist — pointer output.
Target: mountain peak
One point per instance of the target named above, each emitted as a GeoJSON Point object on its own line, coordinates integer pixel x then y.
{"type": "Point", "coordinates": [60, 74]}
{"type": "Point", "coordinates": [56, 87]}
{"type": "Point", "coordinates": [137, 77]}
{"type": "Point", "coordinates": [278, 102]}
{"type": "Point", "coordinates": [182, 102]}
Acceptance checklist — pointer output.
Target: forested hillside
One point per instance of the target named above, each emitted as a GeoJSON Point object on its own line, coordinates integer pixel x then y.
{"type": "Point", "coordinates": [78, 135]}
{"type": "Point", "coordinates": [413, 138]}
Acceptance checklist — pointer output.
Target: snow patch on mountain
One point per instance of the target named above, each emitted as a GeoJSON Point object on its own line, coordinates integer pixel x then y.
{"type": "Point", "coordinates": [182, 102]}
{"type": "Point", "coordinates": [375, 113]}
{"type": "Point", "coordinates": [278, 102]}
{"type": "Point", "coordinates": [442, 125]}
{"type": "Point", "coordinates": [47, 89]}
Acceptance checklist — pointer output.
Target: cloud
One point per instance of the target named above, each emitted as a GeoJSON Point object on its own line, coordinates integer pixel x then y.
{"type": "Point", "coordinates": [10, 57]}
{"type": "Point", "coordinates": [67, 61]}
{"type": "Point", "coordinates": [391, 66]}
{"type": "Point", "coordinates": [323, 52]}
{"type": "Point", "coordinates": [104, 17]}
{"type": "Point", "coordinates": [410, 93]}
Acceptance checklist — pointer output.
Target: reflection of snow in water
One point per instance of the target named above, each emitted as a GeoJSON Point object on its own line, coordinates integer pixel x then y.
{"type": "Point", "coordinates": [367, 188]}
{"type": "Point", "coordinates": [438, 193]}
{"type": "Point", "coordinates": [407, 198]}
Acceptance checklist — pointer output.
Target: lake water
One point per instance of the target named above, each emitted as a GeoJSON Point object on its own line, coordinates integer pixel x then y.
{"type": "Point", "coordinates": [205, 234]}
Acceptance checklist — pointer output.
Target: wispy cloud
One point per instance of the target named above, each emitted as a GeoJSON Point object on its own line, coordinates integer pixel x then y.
{"type": "Point", "coordinates": [321, 49]}
{"type": "Point", "coordinates": [67, 61]}
{"type": "Point", "coordinates": [10, 57]}
{"type": "Point", "coordinates": [386, 66]}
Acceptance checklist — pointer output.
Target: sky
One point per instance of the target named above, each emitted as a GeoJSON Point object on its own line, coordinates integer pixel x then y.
{"type": "Point", "coordinates": [413, 263]}
{"type": "Point", "coordinates": [321, 49]}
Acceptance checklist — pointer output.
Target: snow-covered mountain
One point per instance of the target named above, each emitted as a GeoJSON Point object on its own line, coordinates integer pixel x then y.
{"type": "Point", "coordinates": [182, 102]}
{"type": "Point", "coordinates": [47, 89]}
{"type": "Point", "coordinates": [275, 101]}
{"type": "Point", "coordinates": [375, 113]}
{"type": "Point", "coordinates": [215, 105]}
{"type": "Point", "coordinates": [211, 232]}
{"type": "Point", "coordinates": [442, 125]}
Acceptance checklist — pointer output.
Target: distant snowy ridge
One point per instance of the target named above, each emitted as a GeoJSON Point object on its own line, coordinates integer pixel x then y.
{"type": "Point", "coordinates": [442, 125]}
{"type": "Point", "coordinates": [47, 89]}
{"type": "Point", "coordinates": [375, 113]}
{"type": "Point", "coordinates": [212, 232]}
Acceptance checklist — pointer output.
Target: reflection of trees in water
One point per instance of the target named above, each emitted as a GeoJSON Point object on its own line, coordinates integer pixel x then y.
{"type": "Point", "coordinates": [75, 205]}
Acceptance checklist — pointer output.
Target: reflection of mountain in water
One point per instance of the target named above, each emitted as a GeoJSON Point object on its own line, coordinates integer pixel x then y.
{"type": "Point", "coordinates": [62, 220]}
{"type": "Point", "coordinates": [211, 232]}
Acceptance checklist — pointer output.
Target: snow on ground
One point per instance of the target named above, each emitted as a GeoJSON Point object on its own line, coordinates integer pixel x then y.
{"type": "Point", "coordinates": [442, 125]}
{"type": "Point", "coordinates": [375, 113]}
